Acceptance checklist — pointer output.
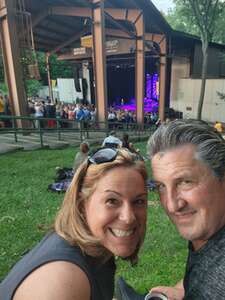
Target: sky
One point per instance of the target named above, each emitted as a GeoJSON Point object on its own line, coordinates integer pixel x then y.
{"type": "Point", "coordinates": [163, 5]}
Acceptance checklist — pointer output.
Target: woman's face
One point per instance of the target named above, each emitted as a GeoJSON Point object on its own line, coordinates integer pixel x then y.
{"type": "Point", "coordinates": [116, 211]}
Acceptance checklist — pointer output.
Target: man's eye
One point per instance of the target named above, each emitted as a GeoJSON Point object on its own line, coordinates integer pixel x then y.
{"type": "Point", "coordinates": [185, 182]}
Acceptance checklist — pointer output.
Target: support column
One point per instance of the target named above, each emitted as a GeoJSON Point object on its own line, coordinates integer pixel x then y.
{"type": "Point", "coordinates": [47, 55]}
{"type": "Point", "coordinates": [140, 69]}
{"type": "Point", "coordinates": [11, 58]}
{"type": "Point", "coordinates": [99, 63]}
{"type": "Point", "coordinates": [162, 81]}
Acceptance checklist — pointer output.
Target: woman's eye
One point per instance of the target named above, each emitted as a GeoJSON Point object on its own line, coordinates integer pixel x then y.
{"type": "Point", "coordinates": [160, 187]}
{"type": "Point", "coordinates": [140, 202]}
{"type": "Point", "coordinates": [112, 202]}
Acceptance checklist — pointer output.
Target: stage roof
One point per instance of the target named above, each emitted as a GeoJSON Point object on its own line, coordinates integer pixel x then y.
{"type": "Point", "coordinates": [51, 31]}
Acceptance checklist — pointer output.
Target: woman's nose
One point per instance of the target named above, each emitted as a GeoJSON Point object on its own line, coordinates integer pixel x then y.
{"type": "Point", "coordinates": [127, 214]}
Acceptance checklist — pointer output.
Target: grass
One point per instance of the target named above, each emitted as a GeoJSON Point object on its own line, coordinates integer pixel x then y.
{"type": "Point", "coordinates": [27, 208]}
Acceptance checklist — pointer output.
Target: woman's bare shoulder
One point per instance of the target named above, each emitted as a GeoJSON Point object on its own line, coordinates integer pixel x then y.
{"type": "Point", "coordinates": [56, 280]}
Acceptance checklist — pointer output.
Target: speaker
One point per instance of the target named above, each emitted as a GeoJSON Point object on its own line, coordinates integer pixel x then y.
{"type": "Point", "coordinates": [76, 79]}
{"type": "Point", "coordinates": [84, 88]}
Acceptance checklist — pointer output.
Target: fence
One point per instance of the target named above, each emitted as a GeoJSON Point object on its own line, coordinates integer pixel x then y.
{"type": "Point", "coordinates": [27, 125]}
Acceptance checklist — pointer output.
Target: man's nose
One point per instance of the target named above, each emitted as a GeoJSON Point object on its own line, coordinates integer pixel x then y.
{"type": "Point", "coordinates": [127, 214]}
{"type": "Point", "coordinates": [174, 201]}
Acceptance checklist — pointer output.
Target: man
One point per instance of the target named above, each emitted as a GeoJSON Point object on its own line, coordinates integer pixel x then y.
{"type": "Point", "coordinates": [112, 141]}
{"type": "Point", "coordinates": [188, 165]}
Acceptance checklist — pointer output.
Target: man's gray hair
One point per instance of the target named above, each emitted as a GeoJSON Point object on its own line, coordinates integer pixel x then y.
{"type": "Point", "coordinates": [210, 145]}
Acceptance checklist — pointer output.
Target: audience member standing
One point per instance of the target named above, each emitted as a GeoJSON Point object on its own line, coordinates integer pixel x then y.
{"type": "Point", "coordinates": [50, 111]}
{"type": "Point", "coordinates": [39, 113]}
{"type": "Point", "coordinates": [2, 110]}
{"type": "Point", "coordinates": [218, 126]}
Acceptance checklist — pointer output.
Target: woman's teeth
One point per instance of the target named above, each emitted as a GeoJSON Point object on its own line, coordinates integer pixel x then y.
{"type": "Point", "coordinates": [122, 233]}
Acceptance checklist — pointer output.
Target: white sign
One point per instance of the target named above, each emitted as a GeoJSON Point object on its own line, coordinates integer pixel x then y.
{"type": "Point", "coordinates": [79, 51]}
{"type": "Point", "coordinates": [67, 90]}
{"type": "Point", "coordinates": [112, 46]}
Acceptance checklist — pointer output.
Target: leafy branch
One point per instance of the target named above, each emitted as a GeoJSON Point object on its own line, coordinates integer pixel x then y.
{"type": "Point", "coordinates": [221, 95]}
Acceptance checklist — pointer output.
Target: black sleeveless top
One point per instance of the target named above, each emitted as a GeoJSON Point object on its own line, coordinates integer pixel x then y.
{"type": "Point", "coordinates": [55, 248]}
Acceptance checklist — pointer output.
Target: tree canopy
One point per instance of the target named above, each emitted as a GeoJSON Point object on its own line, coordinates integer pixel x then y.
{"type": "Point", "coordinates": [58, 69]}
{"type": "Point", "coordinates": [181, 18]}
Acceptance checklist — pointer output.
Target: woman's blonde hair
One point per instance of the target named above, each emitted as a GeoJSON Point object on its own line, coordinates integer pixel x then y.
{"type": "Point", "coordinates": [70, 223]}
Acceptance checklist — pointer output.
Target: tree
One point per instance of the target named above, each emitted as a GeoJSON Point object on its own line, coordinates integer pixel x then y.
{"type": "Point", "coordinates": [3, 88]}
{"type": "Point", "coordinates": [58, 69]}
{"type": "Point", "coordinates": [182, 19]}
{"type": "Point", "coordinates": [32, 87]}
{"type": "Point", "coordinates": [205, 15]}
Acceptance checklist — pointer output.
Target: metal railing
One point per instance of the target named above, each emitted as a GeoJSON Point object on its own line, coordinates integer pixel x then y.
{"type": "Point", "coordinates": [27, 125]}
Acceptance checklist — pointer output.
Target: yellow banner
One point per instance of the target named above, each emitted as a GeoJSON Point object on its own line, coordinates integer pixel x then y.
{"type": "Point", "coordinates": [87, 41]}
{"type": "Point", "coordinates": [53, 82]}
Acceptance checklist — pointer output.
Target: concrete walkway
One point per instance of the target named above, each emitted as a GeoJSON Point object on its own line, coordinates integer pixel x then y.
{"type": "Point", "coordinates": [50, 140]}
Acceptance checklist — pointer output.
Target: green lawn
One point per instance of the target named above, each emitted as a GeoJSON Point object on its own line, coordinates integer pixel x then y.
{"type": "Point", "coordinates": [27, 209]}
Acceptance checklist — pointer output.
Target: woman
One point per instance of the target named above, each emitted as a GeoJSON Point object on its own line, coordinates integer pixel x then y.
{"type": "Point", "coordinates": [81, 155]}
{"type": "Point", "coordinates": [103, 214]}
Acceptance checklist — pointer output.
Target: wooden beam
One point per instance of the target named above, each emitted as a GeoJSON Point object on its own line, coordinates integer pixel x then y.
{"type": "Point", "coordinates": [116, 23]}
{"type": "Point", "coordinates": [117, 13]}
{"type": "Point", "coordinates": [162, 86]}
{"type": "Point", "coordinates": [3, 12]}
{"type": "Point", "coordinates": [140, 69]}
{"type": "Point", "coordinates": [70, 40]}
{"type": "Point", "coordinates": [47, 55]}
{"type": "Point", "coordinates": [44, 35]}
{"type": "Point", "coordinates": [39, 17]}
{"type": "Point", "coordinates": [99, 61]}
{"type": "Point", "coordinates": [12, 63]}
{"type": "Point", "coordinates": [128, 14]}
{"type": "Point", "coordinates": [160, 39]}
{"type": "Point", "coordinates": [117, 33]}
{"type": "Point", "coordinates": [70, 11]}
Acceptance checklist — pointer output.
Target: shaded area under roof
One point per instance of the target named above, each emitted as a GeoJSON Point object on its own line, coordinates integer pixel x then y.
{"type": "Point", "coordinates": [54, 30]}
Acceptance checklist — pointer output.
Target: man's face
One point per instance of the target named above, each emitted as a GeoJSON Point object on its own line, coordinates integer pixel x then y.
{"type": "Point", "coordinates": [191, 195]}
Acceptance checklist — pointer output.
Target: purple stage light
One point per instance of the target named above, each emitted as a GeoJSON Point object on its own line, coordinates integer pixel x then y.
{"type": "Point", "coordinates": [151, 103]}
{"type": "Point", "coordinates": [148, 86]}
{"type": "Point", "coordinates": [155, 81]}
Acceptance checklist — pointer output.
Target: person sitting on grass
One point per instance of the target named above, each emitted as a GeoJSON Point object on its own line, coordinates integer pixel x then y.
{"type": "Point", "coordinates": [103, 214]}
{"type": "Point", "coordinates": [65, 175]}
{"type": "Point", "coordinates": [81, 155]}
{"type": "Point", "coordinates": [127, 144]}
{"type": "Point", "coordinates": [112, 140]}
